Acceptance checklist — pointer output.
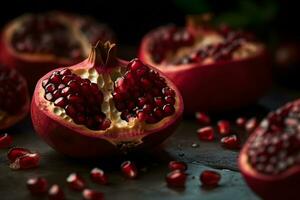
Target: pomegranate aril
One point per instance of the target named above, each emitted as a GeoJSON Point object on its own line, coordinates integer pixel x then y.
{"type": "Point", "coordinates": [230, 142]}
{"type": "Point", "coordinates": [89, 194]}
{"type": "Point", "coordinates": [5, 141]}
{"type": "Point", "coordinates": [176, 178]}
{"type": "Point", "coordinates": [210, 178]}
{"type": "Point", "coordinates": [168, 109]}
{"type": "Point", "coordinates": [251, 124]}
{"type": "Point", "coordinates": [129, 169]}
{"type": "Point", "coordinates": [206, 134]}
{"type": "Point", "coordinates": [224, 127]}
{"type": "Point", "coordinates": [240, 122]}
{"type": "Point", "coordinates": [135, 64]}
{"type": "Point", "coordinates": [27, 161]}
{"type": "Point", "coordinates": [202, 118]}
{"type": "Point", "coordinates": [65, 72]}
{"type": "Point", "coordinates": [177, 165]}
{"type": "Point", "coordinates": [76, 182]}
{"type": "Point", "coordinates": [37, 186]}
{"type": "Point", "coordinates": [56, 193]}
{"type": "Point", "coordinates": [61, 102]}
{"type": "Point", "coordinates": [98, 176]}
{"type": "Point", "coordinates": [17, 152]}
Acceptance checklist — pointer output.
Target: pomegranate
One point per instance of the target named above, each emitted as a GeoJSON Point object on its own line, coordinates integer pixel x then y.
{"type": "Point", "coordinates": [5, 141]}
{"type": "Point", "coordinates": [230, 142]}
{"type": "Point", "coordinates": [98, 176]}
{"type": "Point", "coordinates": [36, 43]}
{"type": "Point", "coordinates": [215, 69]}
{"type": "Point", "coordinates": [14, 97]}
{"type": "Point", "coordinates": [176, 178]}
{"type": "Point", "coordinates": [177, 165]}
{"type": "Point", "coordinates": [56, 193]}
{"type": "Point", "coordinates": [210, 178]}
{"type": "Point", "coordinates": [17, 152]}
{"type": "Point", "coordinates": [89, 194]}
{"type": "Point", "coordinates": [270, 159]}
{"type": "Point", "coordinates": [206, 133]}
{"type": "Point", "coordinates": [251, 124]}
{"type": "Point", "coordinates": [224, 127]}
{"type": "Point", "coordinates": [76, 182]}
{"type": "Point", "coordinates": [129, 169]}
{"type": "Point", "coordinates": [104, 106]}
{"type": "Point", "coordinates": [202, 118]}
{"type": "Point", "coordinates": [37, 186]}
{"type": "Point", "coordinates": [240, 122]}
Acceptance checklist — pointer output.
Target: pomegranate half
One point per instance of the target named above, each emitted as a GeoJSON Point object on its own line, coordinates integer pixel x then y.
{"type": "Point", "coordinates": [270, 159]}
{"type": "Point", "coordinates": [215, 69]}
{"type": "Point", "coordinates": [105, 106]}
{"type": "Point", "coordinates": [14, 97]}
{"type": "Point", "coordinates": [37, 43]}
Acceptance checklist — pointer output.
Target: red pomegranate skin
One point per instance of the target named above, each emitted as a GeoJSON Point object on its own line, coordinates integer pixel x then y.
{"type": "Point", "coordinates": [78, 141]}
{"type": "Point", "coordinates": [220, 86]}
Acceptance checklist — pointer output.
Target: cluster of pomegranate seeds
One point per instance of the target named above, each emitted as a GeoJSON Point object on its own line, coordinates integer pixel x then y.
{"type": "Point", "coordinates": [219, 51]}
{"type": "Point", "coordinates": [76, 182]}
{"type": "Point", "coordinates": [5, 141]}
{"type": "Point", "coordinates": [151, 101]}
{"type": "Point", "coordinates": [80, 98]}
{"type": "Point", "coordinates": [129, 170]}
{"type": "Point", "coordinates": [275, 146]}
{"type": "Point", "coordinates": [176, 178]}
{"type": "Point", "coordinates": [224, 127]}
{"type": "Point", "coordinates": [98, 176]}
{"type": "Point", "coordinates": [46, 34]}
{"type": "Point", "coordinates": [202, 118]}
{"type": "Point", "coordinates": [89, 194]}
{"type": "Point", "coordinates": [177, 165]}
{"type": "Point", "coordinates": [210, 178]}
{"type": "Point", "coordinates": [206, 133]}
{"type": "Point", "coordinates": [12, 91]}
{"type": "Point", "coordinates": [21, 158]}
{"type": "Point", "coordinates": [37, 186]}
{"type": "Point", "coordinates": [169, 39]}
{"type": "Point", "coordinates": [56, 193]}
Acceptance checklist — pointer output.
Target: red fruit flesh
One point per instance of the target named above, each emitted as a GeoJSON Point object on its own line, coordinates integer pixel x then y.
{"type": "Point", "coordinates": [76, 182]}
{"type": "Point", "coordinates": [98, 176]}
{"type": "Point", "coordinates": [214, 70]}
{"type": "Point", "coordinates": [206, 133]}
{"type": "Point", "coordinates": [270, 161]}
{"type": "Point", "coordinates": [14, 97]}
{"type": "Point", "coordinates": [202, 118]}
{"type": "Point", "coordinates": [89, 194]}
{"type": "Point", "coordinates": [37, 186]}
{"type": "Point", "coordinates": [230, 142]}
{"type": "Point", "coordinates": [56, 193]}
{"type": "Point", "coordinates": [5, 141]}
{"type": "Point", "coordinates": [105, 106]}
{"type": "Point", "coordinates": [177, 165]}
{"type": "Point", "coordinates": [176, 178]}
{"type": "Point", "coordinates": [27, 161]}
{"type": "Point", "coordinates": [224, 127]}
{"type": "Point", "coordinates": [129, 169]}
{"type": "Point", "coordinates": [210, 178]}
{"type": "Point", "coordinates": [37, 43]}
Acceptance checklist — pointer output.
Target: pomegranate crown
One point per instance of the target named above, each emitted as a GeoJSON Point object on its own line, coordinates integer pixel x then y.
{"type": "Point", "coordinates": [103, 54]}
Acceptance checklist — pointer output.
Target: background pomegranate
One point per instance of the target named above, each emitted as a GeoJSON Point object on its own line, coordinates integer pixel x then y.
{"type": "Point", "coordinates": [270, 159]}
{"type": "Point", "coordinates": [14, 97]}
{"type": "Point", "coordinates": [37, 43]}
{"type": "Point", "coordinates": [215, 69]}
{"type": "Point", "coordinates": [104, 106]}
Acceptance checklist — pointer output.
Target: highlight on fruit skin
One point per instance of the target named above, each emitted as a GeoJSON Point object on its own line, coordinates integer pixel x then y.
{"type": "Point", "coordinates": [270, 159]}
{"type": "Point", "coordinates": [215, 69]}
{"type": "Point", "coordinates": [104, 106]}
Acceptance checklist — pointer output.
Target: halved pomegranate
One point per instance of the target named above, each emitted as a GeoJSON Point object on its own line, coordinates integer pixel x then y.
{"type": "Point", "coordinates": [105, 105]}
{"type": "Point", "coordinates": [270, 159]}
{"type": "Point", "coordinates": [14, 97]}
{"type": "Point", "coordinates": [37, 43]}
{"type": "Point", "coordinates": [215, 69]}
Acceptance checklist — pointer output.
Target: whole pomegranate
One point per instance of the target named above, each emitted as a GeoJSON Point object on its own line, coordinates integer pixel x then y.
{"type": "Point", "coordinates": [105, 105]}
{"type": "Point", "coordinates": [215, 69]}
{"type": "Point", "coordinates": [37, 43]}
{"type": "Point", "coordinates": [270, 159]}
{"type": "Point", "coordinates": [14, 97]}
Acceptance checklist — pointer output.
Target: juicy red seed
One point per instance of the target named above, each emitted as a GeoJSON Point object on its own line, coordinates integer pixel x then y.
{"type": "Point", "coordinates": [5, 141]}
{"type": "Point", "coordinates": [135, 64]}
{"type": "Point", "coordinates": [98, 176]}
{"type": "Point", "coordinates": [158, 113]}
{"type": "Point", "coordinates": [230, 142]}
{"type": "Point", "coordinates": [176, 178]}
{"type": "Point", "coordinates": [50, 88]}
{"type": "Point", "coordinates": [202, 118]}
{"type": "Point", "coordinates": [224, 127]}
{"type": "Point", "coordinates": [37, 186]}
{"type": "Point", "coordinates": [177, 165]}
{"type": "Point", "coordinates": [210, 178]}
{"type": "Point", "coordinates": [170, 99]}
{"type": "Point", "coordinates": [206, 133]}
{"type": "Point", "coordinates": [56, 193]}
{"type": "Point", "coordinates": [251, 125]}
{"type": "Point", "coordinates": [76, 182]}
{"type": "Point", "coordinates": [168, 109]}
{"type": "Point", "coordinates": [167, 91]}
{"type": "Point", "coordinates": [159, 101]}
{"type": "Point", "coordinates": [60, 102]}
{"type": "Point", "coordinates": [129, 169]}
{"type": "Point", "coordinates": [49, 96]}
{"type": "Point", "coordinates": [17, 152]}
{"type": "Point", "coordinates": [141, 115]}
{"type": "Point", "coordinates": [241, 122]}
{"type": "Point", "coordinates": [89, 194]}
{"type": "Point", "coordinates": [27, 161]}
{"type": "Point", "coordinates": [65, 72]}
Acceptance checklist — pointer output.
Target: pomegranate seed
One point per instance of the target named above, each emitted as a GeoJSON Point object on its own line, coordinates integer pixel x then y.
{"type": "Point", "coordinates": [202, 118]}
{"type": "Point", "coordinates": [129, 169]}
{"type": "Point", "coordinates": [206, 133]}
{"type": "Point", "coordinates": [17, 152]}
{"type": "Point", "coordinates": [135, 64]}
{"type": "Point", "coordinates": [56, 193]}
{"type": "Point", "coordinates": [241, 121]}
{"type": "Point", "coordinates": [76, 182]}
{"type": "Point", "coordinates": [210, 178]}
{"type": "Point", "coordinates": [177, 165]}
{"type": "Point", "coordinates": [230, 142]}
{"type": "Point", "coordinates": [89, 194]}
{"type": "Point", "coordinates": [176, 178]}
{"type": "Point", "coordinates": [37, 186]}
{"type": "Point", "coordinates": [224, 127]}
{"type": "Point", "coordinates": [251, 125]}
{"type": "Point", "coordinates": [98, 176]}
{"type": "Point", "coordinates": [5, 141]}
{"type": "Point", "coordinates": [27, 161]}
